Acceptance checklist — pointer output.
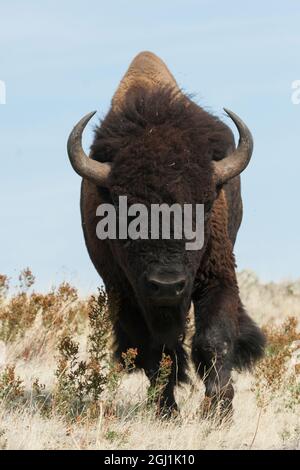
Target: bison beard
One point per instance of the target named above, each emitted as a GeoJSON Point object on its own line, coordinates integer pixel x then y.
{"type": "Point", "coordinates": [163, 148]}
{"type": "Point", "coordinates": [166, 324]}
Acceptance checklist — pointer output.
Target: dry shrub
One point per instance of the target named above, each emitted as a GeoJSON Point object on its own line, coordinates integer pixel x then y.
{"type": "Point", "coordinates": [4, 286]}
{"type": "Point", "coordinates": [129, 358]}
{"type": "Point", "coordinates": [280, 338]}
{"type": "Point", "coordinates": [272, 372]}
{"type": "Point", "coordinates": [11, 386]}
{"type": "Point", "coordinates": [81, 383]}
{"type": "Point", "coordinates": [156, 390]}
{"type": "Point", "coordinates": [26, 279]}
{"type": "Point", "coordinates": [59, 309]}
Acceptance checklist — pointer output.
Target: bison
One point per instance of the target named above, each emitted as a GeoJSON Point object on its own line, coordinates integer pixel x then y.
{"type": "Point", "coordinates": [156, 145]}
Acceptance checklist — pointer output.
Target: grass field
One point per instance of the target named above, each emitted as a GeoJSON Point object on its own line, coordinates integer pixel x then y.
{"type": "Point", "coordinates": [60, 390]}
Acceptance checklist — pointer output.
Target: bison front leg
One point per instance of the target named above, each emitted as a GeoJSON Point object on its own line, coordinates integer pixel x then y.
{"type": "Point", "coordinates": [215, 372]}
{"type": "Point", "coordinates": [225, 338]}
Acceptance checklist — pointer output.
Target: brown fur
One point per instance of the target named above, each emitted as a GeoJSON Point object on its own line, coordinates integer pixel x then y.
{"type": "Point", "coordinates": [145, 71]}
{"type": "Point", "coordinates": [161, 146]}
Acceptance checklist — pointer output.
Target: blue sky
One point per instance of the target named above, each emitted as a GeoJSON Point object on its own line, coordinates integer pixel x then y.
{"type": "Point", "coordinates": [60, 60]}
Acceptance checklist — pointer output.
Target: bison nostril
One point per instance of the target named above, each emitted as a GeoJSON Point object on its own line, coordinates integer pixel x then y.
{"type": "Point", "coordinates": [165, 287]}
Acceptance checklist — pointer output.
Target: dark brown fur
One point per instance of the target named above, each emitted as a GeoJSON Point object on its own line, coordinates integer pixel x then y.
{"type": "Point", "coordinates": [161, 145]}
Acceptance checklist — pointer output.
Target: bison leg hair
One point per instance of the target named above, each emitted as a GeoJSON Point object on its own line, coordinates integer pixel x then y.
{"type": "Point", "coordinates": [225, 339]}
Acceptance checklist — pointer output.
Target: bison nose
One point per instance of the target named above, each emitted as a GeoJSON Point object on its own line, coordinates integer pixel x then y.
{"type": "Point", "coordinates": [166, 289]}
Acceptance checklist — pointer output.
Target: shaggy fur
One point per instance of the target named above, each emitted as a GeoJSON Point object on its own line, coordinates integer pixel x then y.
{"type": "Point", "coordinates": [161, 145]}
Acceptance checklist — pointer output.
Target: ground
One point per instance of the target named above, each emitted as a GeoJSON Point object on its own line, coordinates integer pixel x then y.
{"type": "Point", "coordinates": [54, 394]}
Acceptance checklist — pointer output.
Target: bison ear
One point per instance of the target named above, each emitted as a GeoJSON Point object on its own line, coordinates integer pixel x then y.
{"type": "Point", "coordinates": [236, 161]}
{"type": "Point", "coordinates": [90, 169]}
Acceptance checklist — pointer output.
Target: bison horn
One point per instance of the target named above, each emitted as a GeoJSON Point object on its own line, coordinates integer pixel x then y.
{"type": "Point", "coordinates": [90, 169]}
{"type": "Point", "coordinates": [236, 161]}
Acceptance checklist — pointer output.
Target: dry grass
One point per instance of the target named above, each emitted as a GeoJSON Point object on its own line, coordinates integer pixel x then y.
{"type": "Point", "coordinates": [60, 390]}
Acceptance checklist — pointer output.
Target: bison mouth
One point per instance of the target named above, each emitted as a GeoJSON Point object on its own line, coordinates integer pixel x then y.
{"type": "Point", "coordinates": [166, 323]}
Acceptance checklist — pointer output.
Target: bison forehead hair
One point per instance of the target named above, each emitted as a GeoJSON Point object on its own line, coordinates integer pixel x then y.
{"type": "Point", "coordinates": [160, 137]}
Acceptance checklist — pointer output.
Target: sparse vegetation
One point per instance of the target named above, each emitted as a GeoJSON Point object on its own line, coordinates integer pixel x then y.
{"type": "Point", "coordinates": [59, 376]}
{"type": "Point", "coordinates": [276, 374]}
{"type": "Point", "coordinates": [58, 310]}
{"type": "Point", "coordinates": [156, 390]}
